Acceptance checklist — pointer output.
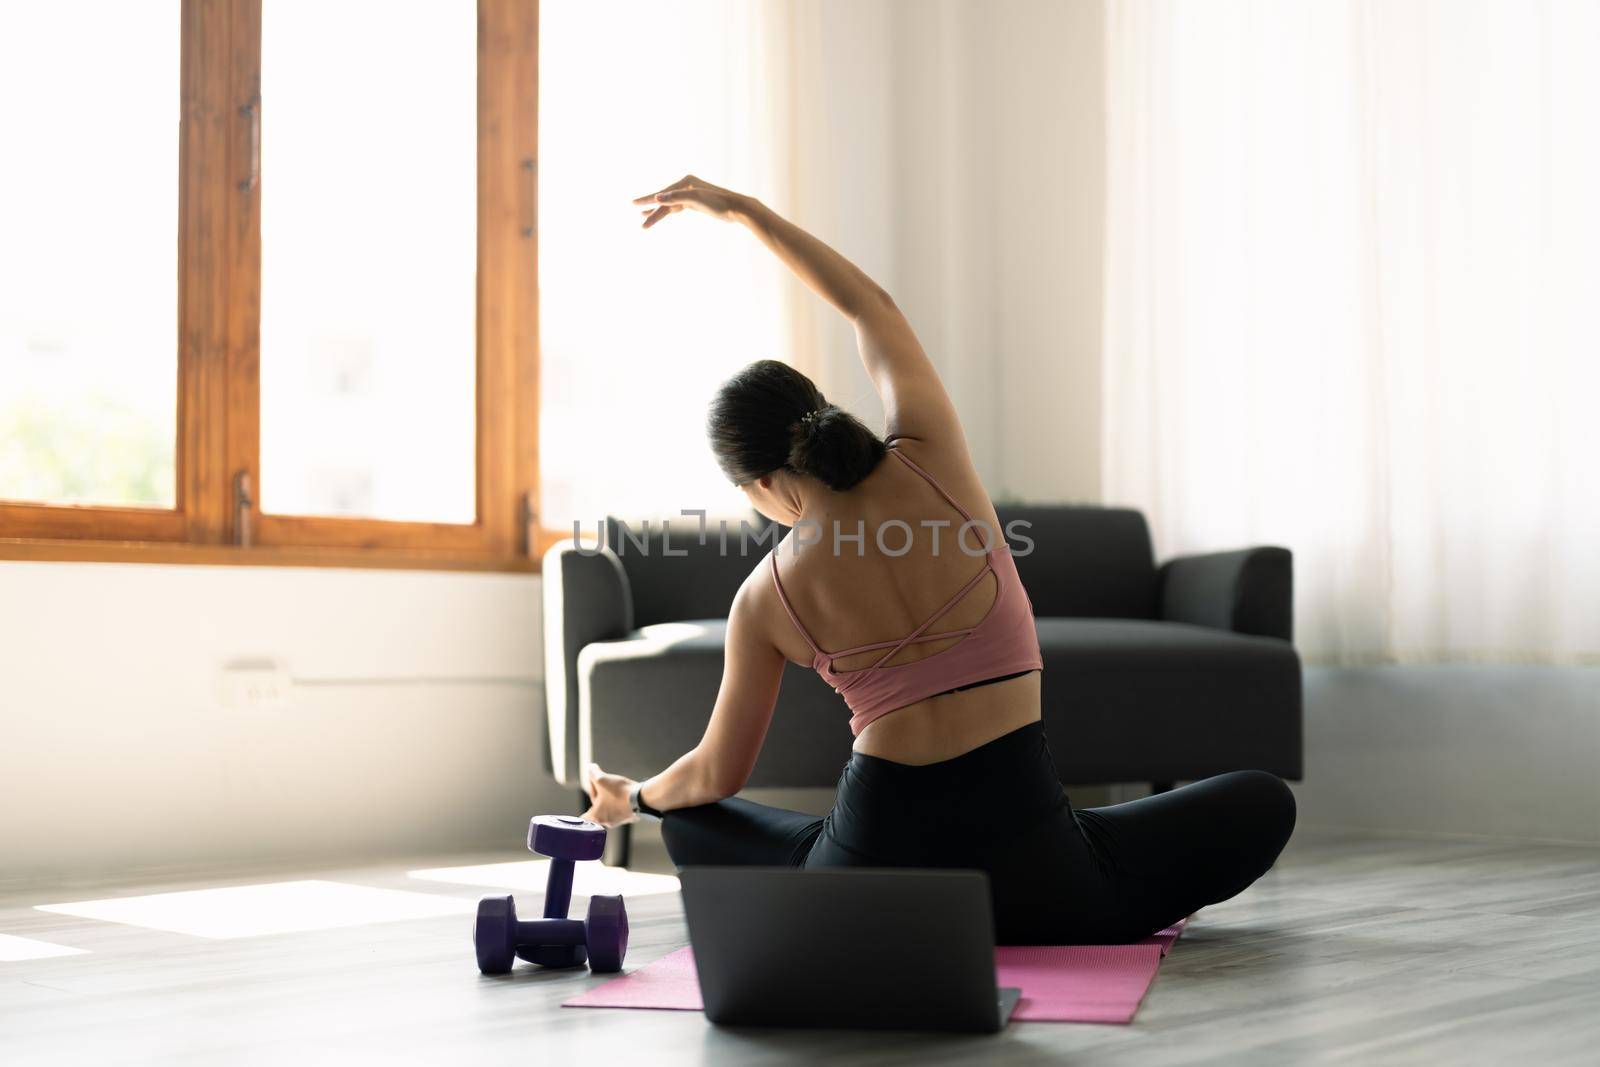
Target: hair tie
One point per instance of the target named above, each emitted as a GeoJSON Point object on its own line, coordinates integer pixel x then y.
{"type": "Point", "coordinates": [811, 416]}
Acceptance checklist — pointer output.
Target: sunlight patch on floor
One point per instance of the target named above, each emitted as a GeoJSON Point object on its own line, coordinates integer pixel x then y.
{"type": "Point", "coordinates": [14, 948]}
{"type": "Point", "coordinates": [273, 908]}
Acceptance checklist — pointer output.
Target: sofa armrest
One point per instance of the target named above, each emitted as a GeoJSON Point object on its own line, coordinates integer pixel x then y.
{"type": "Point", "coordinates": [1249, 591]}
{"type": "Point", "coordinates": [586, 598]}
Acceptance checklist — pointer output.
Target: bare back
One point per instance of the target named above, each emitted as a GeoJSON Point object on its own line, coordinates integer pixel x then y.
{"type": "Point", "coordinates": [883, 585]}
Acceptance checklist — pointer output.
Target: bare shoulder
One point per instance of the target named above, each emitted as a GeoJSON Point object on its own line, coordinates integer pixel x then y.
{"type": "Point", "coordinates": [758, 614]}
{"type": "Point", "coordinates": [756, 609]}
{"type": "Point", "coordinates": [755, 593]}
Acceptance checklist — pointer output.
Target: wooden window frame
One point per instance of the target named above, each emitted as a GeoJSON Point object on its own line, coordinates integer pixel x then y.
{"type": "Point", "coordinates": [216, 517]}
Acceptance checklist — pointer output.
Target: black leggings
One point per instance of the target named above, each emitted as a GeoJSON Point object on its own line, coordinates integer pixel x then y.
{"type": "Point", "coordinates": [1057, 876]}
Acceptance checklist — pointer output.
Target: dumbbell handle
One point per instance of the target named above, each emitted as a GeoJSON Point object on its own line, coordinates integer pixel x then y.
{"type": "Point", "coordinates": [558, 890]}
{"type": "Point", "coordinates": [551, 932]}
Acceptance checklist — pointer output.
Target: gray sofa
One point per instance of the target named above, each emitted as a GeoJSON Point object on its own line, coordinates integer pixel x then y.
{"type": "Point", "coordinates": [1152, 673]}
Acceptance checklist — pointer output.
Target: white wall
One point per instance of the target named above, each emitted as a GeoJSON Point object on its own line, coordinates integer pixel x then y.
{"type": "Point", "coordinates": [411, 724]}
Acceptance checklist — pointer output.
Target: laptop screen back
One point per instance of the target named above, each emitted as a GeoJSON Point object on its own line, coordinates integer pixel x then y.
{"type": "Point", "coordinates": [853, 947]}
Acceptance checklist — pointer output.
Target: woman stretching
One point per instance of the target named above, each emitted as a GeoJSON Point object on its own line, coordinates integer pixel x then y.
{"type": "Point", "coordinates": [931, 642]}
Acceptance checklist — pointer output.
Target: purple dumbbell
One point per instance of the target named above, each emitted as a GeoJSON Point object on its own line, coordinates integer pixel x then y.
{"type": "Point", "coordinates": [555, 940]}
{"type": "Point", "coordinates": [499, 937]}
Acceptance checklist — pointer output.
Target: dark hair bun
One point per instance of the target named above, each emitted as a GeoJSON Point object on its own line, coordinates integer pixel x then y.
{"type": "Point", "coordinates": [769, 417]}
{"type": "Point", "coordinates": [834, 447]}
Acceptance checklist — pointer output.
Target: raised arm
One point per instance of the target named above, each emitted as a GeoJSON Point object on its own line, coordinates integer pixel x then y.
{"type": "Point", "coordinates": [914, 399]}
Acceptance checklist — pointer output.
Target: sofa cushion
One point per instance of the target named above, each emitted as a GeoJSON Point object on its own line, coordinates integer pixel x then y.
{"type": "Point", "coordinates": [652, 693]}
{"type": "Point", "coordinates": [1084, 562]}
{"type": "Point", "coordinates": [1131, 700]}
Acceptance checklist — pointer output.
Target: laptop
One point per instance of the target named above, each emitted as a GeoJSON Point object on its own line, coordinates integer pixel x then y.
{"type": "Point", "coordinates": [854, 948]}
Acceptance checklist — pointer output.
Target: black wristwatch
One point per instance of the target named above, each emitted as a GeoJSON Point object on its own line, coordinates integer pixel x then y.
{"type": "Point", "coordinates": [637, 803]}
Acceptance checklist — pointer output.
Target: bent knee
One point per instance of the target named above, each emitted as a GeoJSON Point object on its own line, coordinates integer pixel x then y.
{"type": "Point", "coordinates": [1272, 802]}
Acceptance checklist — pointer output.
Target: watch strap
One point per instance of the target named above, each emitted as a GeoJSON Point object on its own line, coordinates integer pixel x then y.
{"type": "Point", "coordinates": [637, 802]}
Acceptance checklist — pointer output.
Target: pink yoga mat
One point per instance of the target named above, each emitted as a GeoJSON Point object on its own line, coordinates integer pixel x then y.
{"type": "Point", "coordinates": [1059, 983]}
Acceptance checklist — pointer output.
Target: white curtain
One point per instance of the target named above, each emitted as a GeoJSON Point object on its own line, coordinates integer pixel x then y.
{"type": "Point", "coordinates": [1353, 308]}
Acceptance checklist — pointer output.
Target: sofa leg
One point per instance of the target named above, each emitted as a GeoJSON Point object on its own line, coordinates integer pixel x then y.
{"type": "Point", "coordinates": [1160, 787]}
{"type": "Point", "coordinates": [619, 846]}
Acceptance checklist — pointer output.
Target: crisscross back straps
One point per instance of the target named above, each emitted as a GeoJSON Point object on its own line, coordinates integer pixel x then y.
{"type": "Point", "coordinates": [988, 567]}
{"type": "Point", "coordinates": [945, 636]}
{"type": "Point", "coordinates": [915, 636]}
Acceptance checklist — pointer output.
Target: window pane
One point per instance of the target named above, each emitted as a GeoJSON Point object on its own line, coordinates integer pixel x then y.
{"type": "Point", "coordinates": [89, 252]}
{"type": "Point", "coordinates": [368, 259]}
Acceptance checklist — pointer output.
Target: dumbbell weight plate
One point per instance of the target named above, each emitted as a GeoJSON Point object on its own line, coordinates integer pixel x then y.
{"type": "Point", "coordinates": [566, 837]}
{"type": "Point", "coordinates": [607, 926]}
{"type": "Point", "coordinates": [491, 935]}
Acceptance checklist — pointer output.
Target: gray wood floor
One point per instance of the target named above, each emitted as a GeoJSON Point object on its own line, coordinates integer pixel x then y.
{"type": "Point", "coordinates": [1355, 948]}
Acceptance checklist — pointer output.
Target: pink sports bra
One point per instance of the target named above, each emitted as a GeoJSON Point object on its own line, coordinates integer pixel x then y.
{"type": "Point", "coordinates": [1004, 643]}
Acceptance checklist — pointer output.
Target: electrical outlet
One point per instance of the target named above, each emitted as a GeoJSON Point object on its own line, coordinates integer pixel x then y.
{"type": "Point", "coordinates": [248, 684]}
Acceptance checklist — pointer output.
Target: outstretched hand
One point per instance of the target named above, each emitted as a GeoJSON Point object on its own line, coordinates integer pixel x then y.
{"type": "Point", "coordinates": [689, 192]}
{"type": "Point", "coordinates": [608, 797]}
